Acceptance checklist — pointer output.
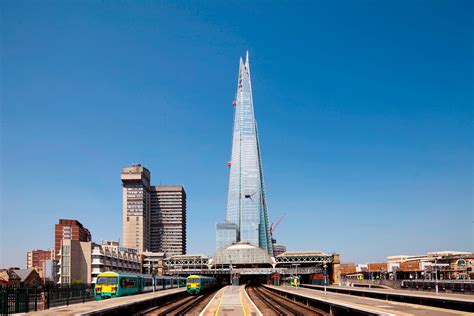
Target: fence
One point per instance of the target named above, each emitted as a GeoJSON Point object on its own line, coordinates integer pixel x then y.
{"type": "Point", "coordinates": [394, 284]}
{"type": "Point", "coordinates": [27, 299]}
{"type": "Point", "coordinates": [461, 286]}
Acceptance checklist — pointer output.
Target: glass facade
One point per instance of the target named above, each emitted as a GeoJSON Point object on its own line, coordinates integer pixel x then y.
{"type": "Point", "coordinates": [246, 200]}
{"type": "Point", "coordinates": [226, 234]}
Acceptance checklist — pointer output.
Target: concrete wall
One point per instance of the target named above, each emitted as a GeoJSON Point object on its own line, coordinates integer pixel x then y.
{"type": "Point", "coordinates": [81, 261]}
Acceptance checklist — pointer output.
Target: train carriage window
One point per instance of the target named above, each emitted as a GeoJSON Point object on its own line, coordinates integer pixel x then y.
{"type": "Point", "coordinates": [148, 282]}
{"type": "Point", "coordinates": [128, 283]}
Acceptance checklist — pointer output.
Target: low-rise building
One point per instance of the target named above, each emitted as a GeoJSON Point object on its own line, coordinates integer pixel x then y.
{"type": "Point", "coordinates": [110, 256]}
{"type": "Point", "coordinates": [8, 277]}
{"type": "Point", "coordinates": [82, 262]}
{"type": "Point", "coordinates": [448, 265]}
{"type": "Point", "coordinates": [28, 277]}
{"type": "Point", "coordinates": [347, 268]}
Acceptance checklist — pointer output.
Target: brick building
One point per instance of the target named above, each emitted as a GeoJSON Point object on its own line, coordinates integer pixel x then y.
{"type": "Point", "coordinates": [35, 259]}
{"type": "Point", "coordinates": [69, 229]}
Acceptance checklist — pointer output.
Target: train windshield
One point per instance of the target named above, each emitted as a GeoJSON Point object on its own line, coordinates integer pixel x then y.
{"type": "Point", "coordinates": [107, 280]}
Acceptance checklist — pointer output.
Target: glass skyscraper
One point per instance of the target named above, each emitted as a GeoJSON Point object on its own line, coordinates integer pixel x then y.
{"type": "Point", "coordinates": [246, 200]}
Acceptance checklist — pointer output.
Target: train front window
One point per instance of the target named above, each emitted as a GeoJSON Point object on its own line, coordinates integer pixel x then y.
{"type": "Point", "coordinates": [107, 280]}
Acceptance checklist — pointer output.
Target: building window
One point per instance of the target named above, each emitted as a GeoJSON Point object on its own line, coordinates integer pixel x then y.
{"type": "Point", "coordinates": [65, 250]}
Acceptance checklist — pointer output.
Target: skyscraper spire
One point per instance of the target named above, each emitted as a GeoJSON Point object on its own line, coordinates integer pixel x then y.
{"type": "Point", "coordinates": [246, 199]}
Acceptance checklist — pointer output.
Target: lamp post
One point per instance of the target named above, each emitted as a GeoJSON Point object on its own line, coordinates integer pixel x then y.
{"type": "Point", "coordinates": [152, 274]}
{"type": "Point", "coordinates": [370, 275]}
{"type": "Point", "coordinates": [230, 270]}
{"type": "Point", "coordinates": [436, 275]}
{"type": "Point", "coordinates": [296, 268]}
{"type": "Point", "coordinates": [325, 275]}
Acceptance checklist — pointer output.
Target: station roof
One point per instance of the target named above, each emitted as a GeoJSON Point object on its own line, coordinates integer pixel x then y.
{"type": "Point", "coordinates": [242, 253]}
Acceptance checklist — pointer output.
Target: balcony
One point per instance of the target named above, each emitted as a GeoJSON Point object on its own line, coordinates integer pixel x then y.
{"type": "Point", "coordinates": [98, 261]}
{"type": "Point", "coordinates": [97, 252]}
{"type": "Point", "coordinates": [96, 270]}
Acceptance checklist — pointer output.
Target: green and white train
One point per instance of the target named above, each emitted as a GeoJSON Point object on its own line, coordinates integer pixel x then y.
{"type": "Point", "coordinates": [196, 284]}
{"type": "Point", "coordinates": [112, 284]}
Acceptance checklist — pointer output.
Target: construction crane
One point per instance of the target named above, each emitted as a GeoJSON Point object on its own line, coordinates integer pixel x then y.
{"type": "Point", "coordinates": [273, 226]}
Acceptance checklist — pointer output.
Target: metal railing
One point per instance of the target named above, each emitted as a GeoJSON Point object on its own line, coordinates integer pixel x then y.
{"type": "Point", "coordinates": [462, 286]}
{"type": "Point", "coordinates": [27, 299]}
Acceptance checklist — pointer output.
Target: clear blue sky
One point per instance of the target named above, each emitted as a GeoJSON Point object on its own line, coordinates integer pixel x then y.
{"type": "Point", "coordinates": [364, 111]}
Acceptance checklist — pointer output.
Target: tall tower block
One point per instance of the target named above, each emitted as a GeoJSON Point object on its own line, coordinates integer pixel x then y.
{"type": "Point", "coordinates": [246, 199]}
{"type": "Point", "coordinates": [136, 207]}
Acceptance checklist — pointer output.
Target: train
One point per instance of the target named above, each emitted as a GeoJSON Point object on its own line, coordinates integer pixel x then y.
{"type": "Point", "coordinates": [196, 284]}
{"type": "Point", "coordinates": [293, 281]}
{"type": "Point", "coordinates": [113, 284]}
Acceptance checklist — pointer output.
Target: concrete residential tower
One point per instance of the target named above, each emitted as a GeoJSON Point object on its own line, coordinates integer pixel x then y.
{"type": "Point", "coordinates": [246, 200]}
{"type": "Point", "coordinates": [168, 219]}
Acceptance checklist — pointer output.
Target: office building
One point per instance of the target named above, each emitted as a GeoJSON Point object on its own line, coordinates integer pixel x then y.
{"type": "Point", "coordinates": [71, 230]}
{"type": "Point", "coordinates": [226, 234]}
{"type": "Point", "coordinates": [154, 217]}
{"type": "Point", "coordinates": [136, 207]}
{"type": "Point", "coordinates": [246, 198]}
{"type": "Point", "coordinates": [278, 249]}
{"type": "Point", "coordinates": [168, 219]}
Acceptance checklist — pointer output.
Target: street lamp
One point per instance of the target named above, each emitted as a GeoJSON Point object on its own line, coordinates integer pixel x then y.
{"type": "Point", "coordinates": [325, 274]}
{"type": "Point", "coordinates": [152, 273]}
{"type": "Point", "coordinates": [436, 275]}
{"type": "Point", "coordinates": [296, 267]}
{"type": "Point", "coordinates": [230, 270]}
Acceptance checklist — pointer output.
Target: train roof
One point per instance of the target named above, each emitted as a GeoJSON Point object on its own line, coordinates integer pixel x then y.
{"type": "Point", "coordinates": [118, 274]}
{"type": "Point", "coordinates": [195, 276]}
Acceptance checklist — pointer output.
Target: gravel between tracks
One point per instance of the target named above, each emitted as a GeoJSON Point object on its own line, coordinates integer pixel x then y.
{"type": "Point", "coordinates": [272, 304]}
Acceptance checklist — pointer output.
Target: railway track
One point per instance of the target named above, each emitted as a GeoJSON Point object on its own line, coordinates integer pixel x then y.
{"type": "Point", "coordinates": [189, 305]}
{"type": "Point", "coordinates": [272, 304]}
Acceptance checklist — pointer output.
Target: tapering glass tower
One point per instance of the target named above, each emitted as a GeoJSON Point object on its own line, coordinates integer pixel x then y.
{"type": "Point", "coordinates": [246, 201]}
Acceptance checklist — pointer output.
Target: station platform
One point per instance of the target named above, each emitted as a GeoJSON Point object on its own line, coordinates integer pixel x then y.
{"type": "Point", "coordinates": [104, 306]}
{"type": "Point", "coordinates": [231, 301]}
{"type": "Point", "coordinates": [365, 304]}
{"type": "Point", "coordinates": [411, 293]}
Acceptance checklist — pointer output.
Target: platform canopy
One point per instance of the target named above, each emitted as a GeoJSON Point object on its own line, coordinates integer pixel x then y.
{"type": "Point", "coordinates": [187, 260]}
{"type": "Point", "coordinates": [293, 257]}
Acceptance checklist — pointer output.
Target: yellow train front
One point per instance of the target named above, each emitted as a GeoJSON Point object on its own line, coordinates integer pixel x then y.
{"type": "Point", "coordinates": [294, 281]}
{"type": "Point", "coordinates": [196, 284]}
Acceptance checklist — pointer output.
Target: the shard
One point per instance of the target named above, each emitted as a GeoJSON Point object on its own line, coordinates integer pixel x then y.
{"type": "Point", "coordinates": [247, 214]}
